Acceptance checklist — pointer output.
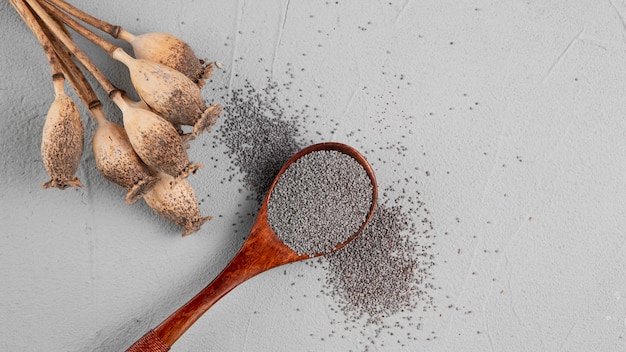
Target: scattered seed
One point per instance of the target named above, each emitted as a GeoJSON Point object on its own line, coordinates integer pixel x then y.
{"type": "Point", "coordinates": [385, 274]}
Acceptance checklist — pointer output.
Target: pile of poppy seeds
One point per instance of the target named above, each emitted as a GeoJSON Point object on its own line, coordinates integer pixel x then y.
{"type": "Point", "coordinates": [380, 280]}
{"type": "Point", "coordinates": [320, 201]}
{"type": "Point", "coordinates": [257, 135]}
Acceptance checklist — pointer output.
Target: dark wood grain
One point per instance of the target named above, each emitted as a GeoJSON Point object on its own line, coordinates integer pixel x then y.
{"type": "Point", "coordinates": [260, 252]}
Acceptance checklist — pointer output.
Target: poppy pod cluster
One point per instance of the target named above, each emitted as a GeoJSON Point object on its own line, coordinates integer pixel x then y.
{"type": "Point", "coordinates": [146, 155]}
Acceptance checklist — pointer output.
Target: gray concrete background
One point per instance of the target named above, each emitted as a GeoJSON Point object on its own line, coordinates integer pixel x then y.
{"type": "Point", "coordinates": [526, 189]}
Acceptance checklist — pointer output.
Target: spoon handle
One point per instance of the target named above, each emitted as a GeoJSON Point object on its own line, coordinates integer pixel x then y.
{"type": "Point", "coordinates": [261, 251]}
{"type": "Point", "coordinates": [149, 342]}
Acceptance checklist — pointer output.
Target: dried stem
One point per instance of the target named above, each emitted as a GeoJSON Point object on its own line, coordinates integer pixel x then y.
{"type": "Point", "coordinates": [77, 78]}
{"type": "Point", "coordinates": [60, 61]}
{"type": "Point", "coordinates": [106, 27]}
{"type": "Point", "coordinates": [79, 28]}
{"type": "Point", "coordinates": [80, 83]}
{"type": "Point", "coordinates": [114, 30]}
{"type": "Point", "coordinates": [31, 21]}
{"type": "Point", "coordinates": [72, 47]}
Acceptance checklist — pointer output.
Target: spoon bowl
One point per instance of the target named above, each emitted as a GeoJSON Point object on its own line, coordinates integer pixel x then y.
{"type": "Point", "coordinates": [261, 251]}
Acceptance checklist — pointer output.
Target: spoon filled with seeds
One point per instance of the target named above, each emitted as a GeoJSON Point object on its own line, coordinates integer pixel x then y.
{"type": "Point", "coordinates": [321, 199]}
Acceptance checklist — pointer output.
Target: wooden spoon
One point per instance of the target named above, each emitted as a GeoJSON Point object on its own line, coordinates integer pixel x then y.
{"type": "Point", "coordinates": [262, 251]}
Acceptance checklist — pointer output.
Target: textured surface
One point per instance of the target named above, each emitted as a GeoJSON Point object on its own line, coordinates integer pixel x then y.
{"type": "Point", "coordinates": [149, 342]}
{"type": "Point", "coordinates": [319, 202]}
{"type": "Point", "coordinates": [507, 117]}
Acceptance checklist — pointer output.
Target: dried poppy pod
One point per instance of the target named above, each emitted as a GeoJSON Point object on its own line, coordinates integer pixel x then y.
{"type": "Point", "coordinates": [62, 141]}
{"type": "Point", "coordinates": [176, 203]}
{"type": "Point", "coordinates": [163, 48]}
{"type": "Point", "coordinates": [170, 51]}
{"type": "Point", "coordinates": [185, 137]}
{"type": "Point", "coordinates": [155, 140]}
{"type": "Point", "coordinates": [117, 160]}
{"type": "Point", "coordinates": [169, 93]}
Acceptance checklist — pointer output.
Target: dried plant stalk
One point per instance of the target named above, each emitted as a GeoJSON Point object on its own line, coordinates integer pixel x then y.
{"type": "Point", "coordinates": [111, 29]}
{"type": "Point", "coordinates": [60, 34]}
{"type": "Point", "coordinates": [63, 132]}
{"type": "Point", "coordinates": [162, 48]}
{"type": "Point", "coordinates": [147, 157]}
{"type": "Point", "coordinates": [165, 90]}
{"type": "Point", "coordinates": [115, 158]}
